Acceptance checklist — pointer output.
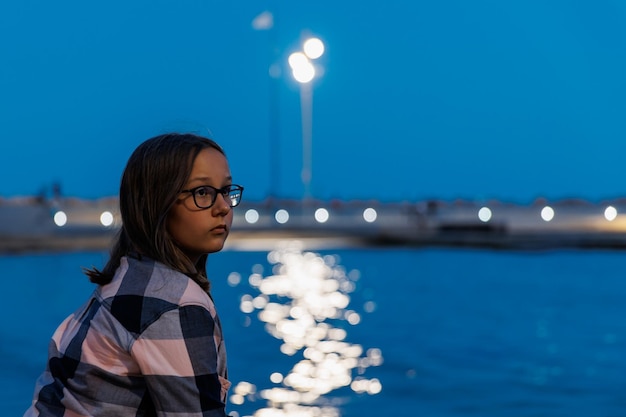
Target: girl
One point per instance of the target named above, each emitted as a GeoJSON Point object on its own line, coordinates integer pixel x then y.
{"type": "Point", "coordinates": [149, 341]}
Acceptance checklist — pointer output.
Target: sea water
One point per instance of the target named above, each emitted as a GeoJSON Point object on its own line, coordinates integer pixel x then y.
{"type": "Point", "coordinates": [429, 332]}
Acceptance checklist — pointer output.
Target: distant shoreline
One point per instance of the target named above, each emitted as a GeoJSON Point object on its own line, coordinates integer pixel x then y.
{"type": "Point", "coordinates": [30, 224]}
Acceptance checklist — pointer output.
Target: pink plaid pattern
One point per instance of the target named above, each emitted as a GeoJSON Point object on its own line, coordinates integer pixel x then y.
{"type": "Point", "coordinates": [147, 344]}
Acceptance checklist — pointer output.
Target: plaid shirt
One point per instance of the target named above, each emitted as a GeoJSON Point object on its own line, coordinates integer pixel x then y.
{"type": "Point", "coordinates": [148, 343]}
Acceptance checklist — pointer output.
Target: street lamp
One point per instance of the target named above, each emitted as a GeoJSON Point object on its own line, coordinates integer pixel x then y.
{"type": "Point", "coordinates": [303, 72]}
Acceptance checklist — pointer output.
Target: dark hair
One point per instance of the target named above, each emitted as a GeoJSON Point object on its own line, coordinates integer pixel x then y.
{"type": "Point", "coordinates": [155, 174]}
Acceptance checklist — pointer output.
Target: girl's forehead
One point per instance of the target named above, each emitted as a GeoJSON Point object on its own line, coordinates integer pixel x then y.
{"type": "Point", "coordinates": [210, 163]}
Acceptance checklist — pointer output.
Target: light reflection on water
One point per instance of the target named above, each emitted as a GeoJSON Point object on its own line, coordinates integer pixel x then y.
{"type": "Point", "coordinates": [299, 302]}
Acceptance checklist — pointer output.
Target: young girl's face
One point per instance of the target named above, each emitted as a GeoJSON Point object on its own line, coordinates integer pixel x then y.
{"type": "Point", "coordinates": [198, 231]}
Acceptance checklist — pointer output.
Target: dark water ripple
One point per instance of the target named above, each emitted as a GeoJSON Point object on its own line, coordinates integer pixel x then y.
{"type": "Point", "coordinates": [462, 332]}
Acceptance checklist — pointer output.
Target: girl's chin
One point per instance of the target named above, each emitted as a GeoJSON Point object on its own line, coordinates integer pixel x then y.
{"type": "Point", "coordinates": [216, 245]}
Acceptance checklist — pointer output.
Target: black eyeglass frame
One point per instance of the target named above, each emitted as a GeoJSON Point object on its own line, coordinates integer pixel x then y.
{"type": "Point", "coordinates": [224, 191]}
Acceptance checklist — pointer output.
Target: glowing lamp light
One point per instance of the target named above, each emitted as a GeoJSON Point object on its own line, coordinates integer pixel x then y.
{"type": "Point", "coordinates": [282, 216]}
{"type": "Point", "coordinates": [60, 218]}
{"type": "Point", "coordinates": [300, 62]}
{"type": "Point", "coordinates": [484, 214]}
{"type": "Point", "coordinates": [547, 213]}
{"type": "Point", "coordinates": [313, 48]}
{"type": "Point", "coordinates": [303, 71]}
{"type": "Point", "coordinates": [369, 215]}
{"type": "Point", "coordinates": [252, 216]}
{"type": "Point", "coordinates": [610, 213]}
{"type": "Point", "coordinates": [106, 218]}
{"type": "Point", "coordinates": [321, 215]}
{"type": "Point", "coordinates": [297, 59]}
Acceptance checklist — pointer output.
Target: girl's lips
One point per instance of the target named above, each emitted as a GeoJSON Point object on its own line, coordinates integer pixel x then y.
{"type": "Point", "coordinates": [219, 229]}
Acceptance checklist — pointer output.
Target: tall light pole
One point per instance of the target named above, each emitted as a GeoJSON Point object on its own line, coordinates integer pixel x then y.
{"type": "Point", "coordinates": [265, 22]}
{"type": "Point", "coordinates": [303, 71]}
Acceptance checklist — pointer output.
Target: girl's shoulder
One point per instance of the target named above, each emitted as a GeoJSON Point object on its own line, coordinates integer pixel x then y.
{"type": "Point", "coordinates": [147, 289]}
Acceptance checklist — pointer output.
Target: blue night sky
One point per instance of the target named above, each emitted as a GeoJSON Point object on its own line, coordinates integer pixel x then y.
{"type": "Point", "coordinates": [510, 100]}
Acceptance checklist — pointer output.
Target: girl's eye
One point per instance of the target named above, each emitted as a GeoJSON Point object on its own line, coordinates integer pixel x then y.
{"type": "Point", "coordinates": [202, 192]}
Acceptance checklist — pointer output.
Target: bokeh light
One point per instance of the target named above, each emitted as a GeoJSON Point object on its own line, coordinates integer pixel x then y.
{"type": "Point", "coordinates": [369, 215]}
{"type": "Point", "coordinates": [313, 48]}
{"type": "Point", "coordinates": [321, 215]}
{"type": "Point", "coordinates": [610, 213]}
{"type": "Point", "coordinates": [484, 214]}
{"type": "Point", "coordinates": [251, 216]}
{"type": "Point", "coordinates": [106, 218]}
{"type": "Point", "coordinates": [234, 278]}
{"type": "Point", "coordinates": [301, 304]}
{"type": "Point", "coordinates": [282, 216]}
{"type": "Point", "coordinates": [304, 73]}
{"type": "Point", "coordinates": [297, 59]}
{"type": "Point", "coordinates": [302, 69]}
{"type": "Point", "coordinates": [547, 213]}
{"type": "Point", "coordinates": [60, 218]}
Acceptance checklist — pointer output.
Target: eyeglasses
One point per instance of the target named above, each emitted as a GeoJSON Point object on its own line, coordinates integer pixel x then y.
{"type": "Point", "coordinates": [204, 196]}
